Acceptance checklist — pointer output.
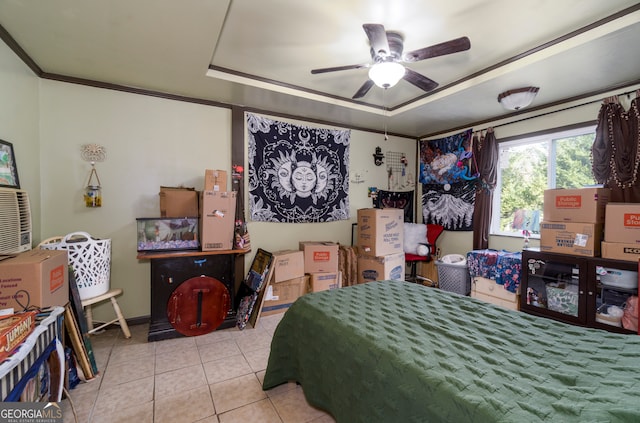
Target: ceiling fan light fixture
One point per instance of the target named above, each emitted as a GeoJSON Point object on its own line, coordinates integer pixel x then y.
{"type": "Point", "coordinates": [386, 74]}
{"type": "Point", "coordinates": [518, 99]}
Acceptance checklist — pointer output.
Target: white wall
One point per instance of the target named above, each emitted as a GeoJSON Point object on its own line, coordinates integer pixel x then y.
{"type": "Point", "coordinates": [19, 124]}
{"type": "Point", "coordinates": [152, 142]}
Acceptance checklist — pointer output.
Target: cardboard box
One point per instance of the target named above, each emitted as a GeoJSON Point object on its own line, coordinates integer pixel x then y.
{"type": "Point", "coordinates": [389, 267]}
{"type": "Point", "coordinates": [217, 221]}
{"type": "Point", "coordinates": [489, 291]}
{"type": "Point", "coordinates": [380, 231]}
{"type": "Point", "coordinates": [35, 278]}
{"type": "Point", "coordinates": [325, 280]}
{"type": "Point", "coordinates": [620, 251]}
{"type": "Point", "coordinates": [178, 202]}
{"type": "Point", "coordinates": [215, 180]}
{"type": "Point", "coordinates": [320, 256]}
{"type": "Point", "coordinates": [622, 223]}
{"type": "Point", "coordinates": [576, 205]}
{"type": "Point", "coordinates": [580, 239]}
{"type": "Point", "coordinates": [278, 297]}
{"type": "Point", "coordinates": [13, 330]}
{"type": "Point", "coordinates": [287, 265]}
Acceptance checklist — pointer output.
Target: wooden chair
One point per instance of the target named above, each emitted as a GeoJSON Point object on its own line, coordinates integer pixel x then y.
{"type": "Point", "coordinates": [88, 302]}
{"type": "Point", "coordinates": [120, 320]}
{"type": "Point", "coordinates": [433, 232]}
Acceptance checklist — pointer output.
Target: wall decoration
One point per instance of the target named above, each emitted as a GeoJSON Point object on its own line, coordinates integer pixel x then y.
{"type": "Point", "coordinates": [297, 174]}
{"type": "Point", "coordinates": [398, 176]}
{"type": "Point", "coordinates": [447, 160]}
{"type": "Point", "coordinates": [449, 205]}
{"type": "Point", "coordinates": [8, 167]}
{"type": "Point", "coordinates": [397, 200]}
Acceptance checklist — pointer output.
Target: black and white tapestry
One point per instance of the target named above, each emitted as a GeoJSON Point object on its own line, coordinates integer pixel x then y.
{"type": "Point", "coordinates": [449, 205]}
{"type": "Point", "coordinates": [297, 174]}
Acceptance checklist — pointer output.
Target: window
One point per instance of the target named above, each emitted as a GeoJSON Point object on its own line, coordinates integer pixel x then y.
{"type": "Point", "coordinates": [529, 166]}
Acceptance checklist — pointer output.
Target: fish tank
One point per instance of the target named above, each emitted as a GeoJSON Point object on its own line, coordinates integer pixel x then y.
{"type": "Point", "coordinates": [168, 233]}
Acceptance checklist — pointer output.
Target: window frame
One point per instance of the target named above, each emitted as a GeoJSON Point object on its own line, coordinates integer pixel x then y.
{"type": "Point", "coordinates": [548, 136]}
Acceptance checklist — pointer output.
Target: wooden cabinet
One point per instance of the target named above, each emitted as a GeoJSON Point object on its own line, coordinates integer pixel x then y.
{"type": "Point", "coordinates": [170, 269]}
{"type": "Point", "coordinates": [586, 291]}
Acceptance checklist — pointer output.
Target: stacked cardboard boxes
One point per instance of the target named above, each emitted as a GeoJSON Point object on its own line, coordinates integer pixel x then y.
{"type": "Point", "coordinates": [380, 245]}
{"type": "Point", "coordinates": [287, 282]}
{"type": "Point", "coordinates": [321, 264]}
{"type": "Point", "coordinates": [622, 232]}
{"type": "Point", "coordinates": [573, 221]}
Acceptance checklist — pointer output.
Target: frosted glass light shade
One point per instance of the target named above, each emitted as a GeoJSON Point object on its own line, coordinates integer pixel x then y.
{"type": "Point", "coordinates": [518, 98]}
{"type": "Point", "coordinates": [386, 74]}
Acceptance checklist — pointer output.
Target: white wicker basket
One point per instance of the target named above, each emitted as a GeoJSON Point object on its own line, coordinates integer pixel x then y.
{"type": "Point", "coordinates": [90, 258]}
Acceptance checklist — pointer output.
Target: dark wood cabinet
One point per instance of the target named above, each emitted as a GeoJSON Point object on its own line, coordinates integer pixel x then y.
{"type": "Point", "coordinates": [169, 270]}
{"type": "Point", "coordinates": [585, 291]}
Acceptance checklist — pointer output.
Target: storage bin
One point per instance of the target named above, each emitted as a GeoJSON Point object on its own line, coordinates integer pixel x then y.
{"type": "Point", "coordinates": [91, 261]}
{"type": "Point", "coordinates": [454, 277]}
{"type": "Point", "coordinates": [619, 278]}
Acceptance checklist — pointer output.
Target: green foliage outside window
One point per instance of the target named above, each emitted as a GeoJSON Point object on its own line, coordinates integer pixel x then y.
{"type": "Point", "coordinates": [525, 177]}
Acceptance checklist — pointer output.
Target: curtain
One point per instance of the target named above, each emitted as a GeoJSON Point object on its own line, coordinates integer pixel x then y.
{"type": "Point", "coordinates": [485, 152]}
{"type": "Point", "coordinates": [615, 153]}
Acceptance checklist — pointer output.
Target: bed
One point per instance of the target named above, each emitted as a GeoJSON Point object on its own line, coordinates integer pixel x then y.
{"type": "Point", "coordinates": [400, 352]}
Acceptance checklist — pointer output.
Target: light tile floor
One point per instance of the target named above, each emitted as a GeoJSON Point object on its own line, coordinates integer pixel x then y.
{"type": "Point", "coordinates": [210, 378]}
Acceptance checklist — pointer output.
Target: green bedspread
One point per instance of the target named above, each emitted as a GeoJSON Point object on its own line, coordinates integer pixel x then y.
{"type": "Point", "coordinates": [400, 352]}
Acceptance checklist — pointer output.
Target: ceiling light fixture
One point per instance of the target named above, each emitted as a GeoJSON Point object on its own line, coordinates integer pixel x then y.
{"type": "Point", "coordinates": [518, 99]}
{"type": "Point", "coordinates": [386, 74]}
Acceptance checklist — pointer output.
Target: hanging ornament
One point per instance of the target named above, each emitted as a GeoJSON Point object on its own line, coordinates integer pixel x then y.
{"type": "Point", "coordinates": [93, 190]}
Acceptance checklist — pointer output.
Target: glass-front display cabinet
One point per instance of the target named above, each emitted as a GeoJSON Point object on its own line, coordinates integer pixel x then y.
{"type": "Point", "coordinates": [610, 284]}
{"type": "Point", "coordinates": [586, 291]}
{"type": "Point", "coordinates": [554, 286]}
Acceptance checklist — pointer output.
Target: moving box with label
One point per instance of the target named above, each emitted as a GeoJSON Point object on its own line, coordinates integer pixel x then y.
{"type": "Point", "coordinates": [320, 256]}
{"type": "Point", "coordinates": [586, 205]}
{"type": "Point", "coordinates": [380, 231]}
{"type": "Point", "coordinates": [35, 278]}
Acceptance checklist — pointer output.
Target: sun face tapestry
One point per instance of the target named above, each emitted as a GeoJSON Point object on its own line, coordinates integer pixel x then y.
{"type": "Point", "coordinates": [448, 174]}
{"type": "Point", "coordinates": [297, 174]}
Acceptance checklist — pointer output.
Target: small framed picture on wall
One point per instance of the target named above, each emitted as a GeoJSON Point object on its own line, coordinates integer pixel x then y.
{"type": "Point", "coordinates": [8, 167]}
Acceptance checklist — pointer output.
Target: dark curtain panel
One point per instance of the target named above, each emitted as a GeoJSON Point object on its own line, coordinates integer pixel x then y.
{"type": "Point", "coordinates": [615, 152]}
{"type": "Point", "coordinates": [485, 151]}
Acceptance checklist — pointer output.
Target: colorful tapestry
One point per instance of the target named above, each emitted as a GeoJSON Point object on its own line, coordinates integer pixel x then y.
{"type": "Point", "coordinates": [447, 160]}
{"type": "Point", "coordinates": [396, 200]}
{"type": "Point", "coordinates": [297, 174]}
{"type": "Point", "coordinates": [449, 205]}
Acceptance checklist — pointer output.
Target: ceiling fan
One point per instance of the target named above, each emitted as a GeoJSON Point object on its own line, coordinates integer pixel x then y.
{"type": "Point", "coordinates": [386, 52]}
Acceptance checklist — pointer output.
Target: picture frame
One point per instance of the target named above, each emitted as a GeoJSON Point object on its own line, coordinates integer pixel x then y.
{"type": "Point", "coordinates": [8, 167]}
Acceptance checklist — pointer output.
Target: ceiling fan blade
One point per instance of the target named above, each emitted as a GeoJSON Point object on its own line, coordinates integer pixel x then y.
{"type": "Point", "coordinates": [448, 47]}
{"type": "Point", "coordinates": [377, 38]}
{"type": "Point", "coordinates": [339, 68]}
{"type": "Point", "coordinates": [364, 89]}
{"type": "Point", "coordinates": [419, 80]}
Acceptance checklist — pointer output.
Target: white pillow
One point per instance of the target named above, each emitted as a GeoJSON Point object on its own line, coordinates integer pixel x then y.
{"type": "Point", "coordinates": [414, 235]}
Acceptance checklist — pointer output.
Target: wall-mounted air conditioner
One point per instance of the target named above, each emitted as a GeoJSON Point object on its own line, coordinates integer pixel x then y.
{"type": "Point", "coordinates": [15, 221]}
